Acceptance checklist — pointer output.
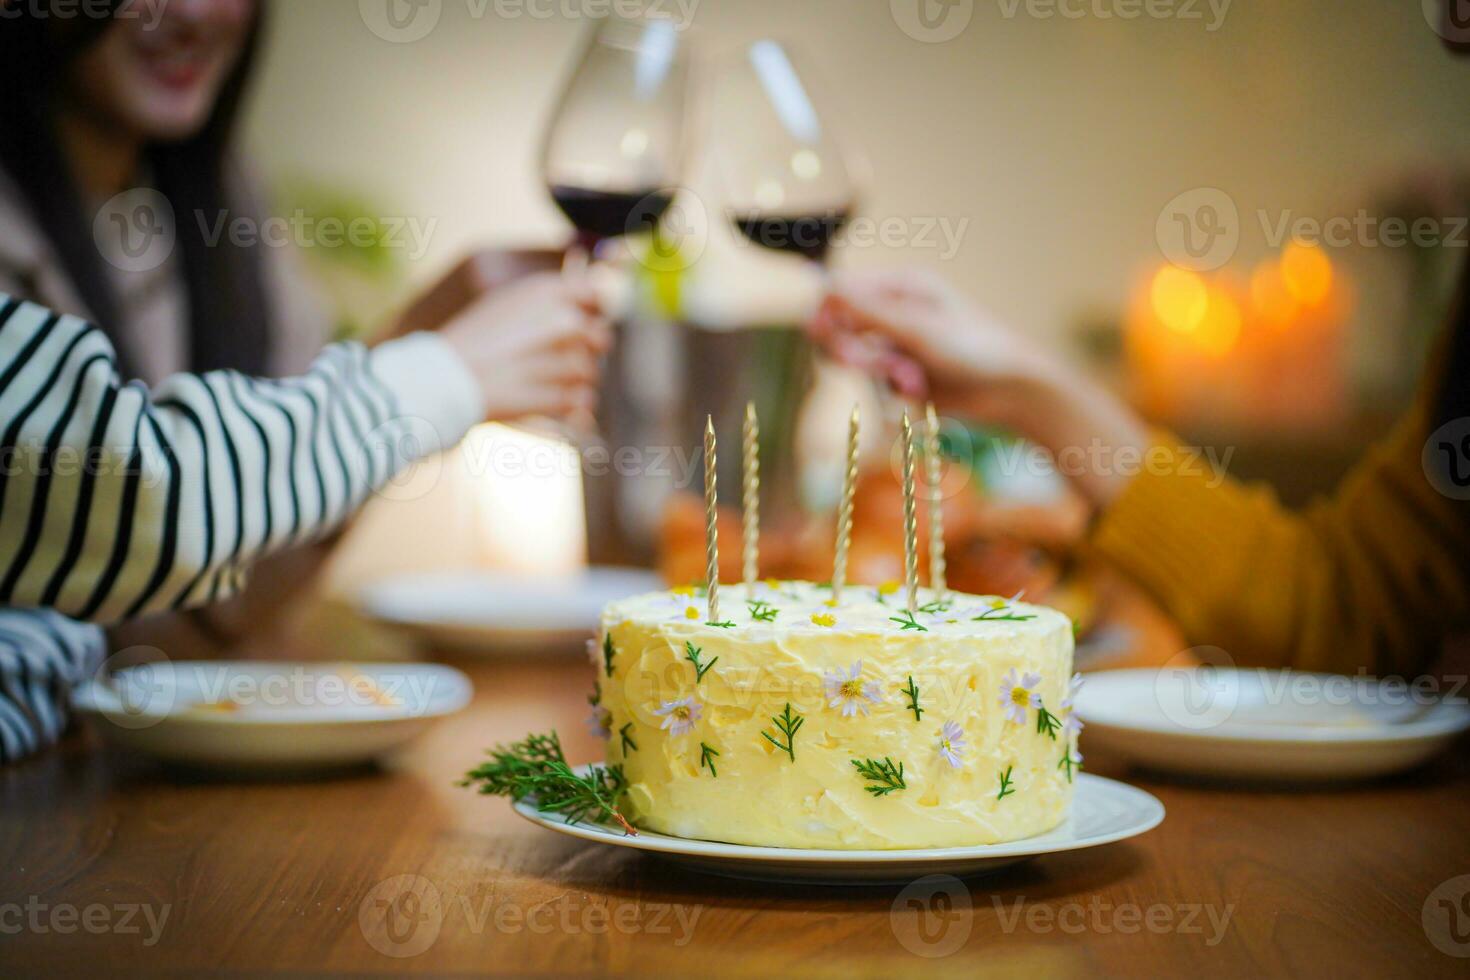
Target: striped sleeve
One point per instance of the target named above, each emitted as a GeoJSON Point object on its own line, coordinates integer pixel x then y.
{"type": "Point", "coordinates": [117, 501]}
{"type": "Point", "coordinates": [43, 656]}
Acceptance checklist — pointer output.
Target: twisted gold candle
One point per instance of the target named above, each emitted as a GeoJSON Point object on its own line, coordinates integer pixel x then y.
{"type": "Point", "coordinates": [711, 526]}
{"type": "Point", "coordinates": [910, 519]}
{"type": "Point", "coordinates": [936, 503]}
{"type": "Point", "coordinates": [751, 497]}
{"type": "Point", "coordinates": [844, 509]}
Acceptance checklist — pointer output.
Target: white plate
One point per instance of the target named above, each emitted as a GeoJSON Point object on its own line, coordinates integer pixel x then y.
{"type": "Point", "coordinates": [264, 716]}
{"type": "Point", "coordinates": [1103, 811]}
{"type": "Point", "coordinates": [1263, 724]}
{"type": "Point", "coordinates": [487, 610]}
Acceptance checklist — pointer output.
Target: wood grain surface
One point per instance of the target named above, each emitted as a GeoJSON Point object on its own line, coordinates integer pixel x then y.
{"type": "Point", "coordinates": [309, 877]}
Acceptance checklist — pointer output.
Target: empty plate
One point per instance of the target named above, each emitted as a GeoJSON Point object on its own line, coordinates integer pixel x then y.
{"type": "Point", "coordinates": [1265, 724]}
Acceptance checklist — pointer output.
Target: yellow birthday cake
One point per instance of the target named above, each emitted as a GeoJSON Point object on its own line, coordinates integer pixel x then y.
{"type": "Point", "coordinates": [796, 720]}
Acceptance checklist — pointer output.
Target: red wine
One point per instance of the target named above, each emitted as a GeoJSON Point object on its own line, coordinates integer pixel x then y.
{"type": "Point", "coordinates": [809, 236]}
{"type": "Point", "coordinates": [608, 214]}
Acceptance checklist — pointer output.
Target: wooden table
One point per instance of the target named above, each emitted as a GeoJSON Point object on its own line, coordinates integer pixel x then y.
{"type": "Point", "coordinates": [277, 875]}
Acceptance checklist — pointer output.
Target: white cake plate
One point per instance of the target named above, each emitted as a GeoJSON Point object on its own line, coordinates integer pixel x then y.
{"type": "Point", "coordinates": [1103, 811]}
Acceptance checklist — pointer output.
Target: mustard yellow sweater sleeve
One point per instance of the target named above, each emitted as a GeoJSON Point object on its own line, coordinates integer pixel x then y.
{"type": "Point", "coordinates": [1370, 579]}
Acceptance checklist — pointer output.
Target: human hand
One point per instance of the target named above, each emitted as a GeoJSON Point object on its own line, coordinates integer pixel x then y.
{"type": "Point", "coordinates": [533, 345]}
{"type": "Point", "coordinates": [911, 328]}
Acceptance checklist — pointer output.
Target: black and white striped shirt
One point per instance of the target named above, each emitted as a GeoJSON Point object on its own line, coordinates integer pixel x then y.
{"type": "Point", "coordinates": [116, 501]}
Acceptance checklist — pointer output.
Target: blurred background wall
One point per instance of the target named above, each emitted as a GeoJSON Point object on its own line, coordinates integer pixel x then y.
{"type": "Point", "coordinates": [1058, 138]}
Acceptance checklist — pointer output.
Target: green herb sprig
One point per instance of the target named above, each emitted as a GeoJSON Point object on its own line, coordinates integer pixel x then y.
{"type": "Point", "coordinates": [1068, 764]}
{"type": "Point", "coordinates": [1001, 614]}
{"type": "Point", "coordinates": [884, 776]}
{"type": "Point", "coordinates": [936, 606]}
{"type": "Point", "coordinates": [627, 739]}
{"type": "Point", "coordinates": [608, 652]}
{"type": "Point", "coordinates": [913, 693]}
{"type": "Point", "coordinates": [535, 767]}
{"type": "Point", "coordinates": [1047, 723]}
{"type": "Point", "coordinates": [789, 724]}
{"type": "Point", "coordinates": [1006, 786]}
{"type": "Point", "coordinates": [727, 624]}
{"type": "Point", "coordinates": [707, 757]}
{"type": "Point", "coordinates": [908, 622]}
{"type": "Point", "coordinates": [762, 611]}
{"type": "Point", "coordinates": [691, 654]}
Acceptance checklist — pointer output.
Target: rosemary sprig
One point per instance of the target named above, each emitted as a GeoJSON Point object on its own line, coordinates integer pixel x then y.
{"type": "Point", "coordinates": [994, 616]}
{"type": "Point", "coordinates": [908, 622]}
{"type": "Point", "coordinates": [913, 692]}
{"type": "Point", "coordinates": [1047, 723]}
{"type": "Point", "coordinates": [1068, 764]}
{"type": "Point", "coordinates": [707, 758]}
{"type": "Point", "coordinates": [1006, 786]}
{"type": "Point", "coordinates": [762, 611]}
{"type": "Point", "coordinates": [789, 724]}
{"type": "Point", "coordinates": [627, 739]}
{"type": "Point", "coordinates": [885, 776]}
{"type": "Point", "coordinates": [727, 624]}
{"type": "Point", "coordinates": [536, 767]}
{"type": "Point", "coordinates": [691, 654]}
{"type": "Point", "coordinates": [608, 652]}
{"type": "Point", "coordinates": [937, 606]}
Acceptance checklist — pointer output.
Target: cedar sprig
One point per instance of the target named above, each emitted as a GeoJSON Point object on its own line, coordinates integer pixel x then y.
{"type": "Point", "coordinates": [789, 724]}
{"type": "Point", "coordinates": [885, 777]}
{"type": "Point", "coordinates": [691, 654]}
{"type": "Point", "coordinates": [535, 767]}
{"type": "Point", "coordinates": [913, 693]}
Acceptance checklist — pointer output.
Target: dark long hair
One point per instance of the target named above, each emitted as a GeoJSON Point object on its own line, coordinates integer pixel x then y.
{"type": "Point", "coordinates": [224, 282]}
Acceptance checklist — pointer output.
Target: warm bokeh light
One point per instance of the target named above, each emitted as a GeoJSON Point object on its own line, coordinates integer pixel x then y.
{"type": "Point", "coordinates": [1307, 273]}
{"type": "Point", "coordinates": [1219, 329]}
{"type": "Point", "coordinates": [1270, 295]}
{"type": "Point", "coordinates": [1180, 298]}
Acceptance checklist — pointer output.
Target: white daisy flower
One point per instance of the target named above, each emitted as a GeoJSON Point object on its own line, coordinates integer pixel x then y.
{"type": "Point", "coordinates": [1072, 725]}
{"type": "Point", "coordinates": [680, 715]}
{"type": "Point", "coordinates": [850, 692]}
{"type": "Point", "coordinates": [1018, 695]}
{"type": "Point", "coordinates": [952, 744]}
